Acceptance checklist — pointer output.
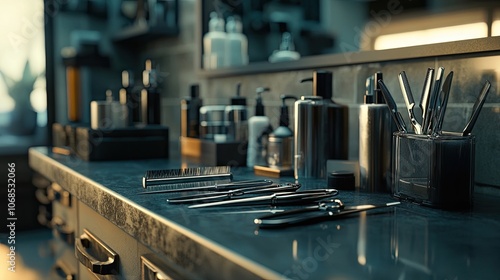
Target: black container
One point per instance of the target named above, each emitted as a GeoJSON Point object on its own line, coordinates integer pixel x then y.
{"type": "Point", "coordinates": [122, 144]}
{"type": "Point", "coordinates": [190, 113]}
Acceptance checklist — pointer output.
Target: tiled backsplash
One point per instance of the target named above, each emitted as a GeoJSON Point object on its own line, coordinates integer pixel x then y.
{"type": "Point", "coordinates": [349, 87]}
{"type": "Point", "coordinates": [470, 74]}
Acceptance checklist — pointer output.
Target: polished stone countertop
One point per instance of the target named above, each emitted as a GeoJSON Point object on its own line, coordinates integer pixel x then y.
{"type": "Point", "coordinates": [407, 241]}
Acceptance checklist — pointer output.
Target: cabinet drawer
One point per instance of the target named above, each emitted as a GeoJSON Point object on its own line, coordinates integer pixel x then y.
{"type": "Point", "coordinates": [64, 213]}
{"type": "Point", "coordinates": [155, 266]}
{"type": "Point", "coordinates": [98, 238]}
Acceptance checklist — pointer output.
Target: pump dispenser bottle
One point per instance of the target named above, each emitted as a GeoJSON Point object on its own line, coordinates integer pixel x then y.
{"type": "Point", "coordinates": [280, 144]}
{"type": "Point", "coordinates": [236, 117]}
{"type": "Point", "coordinates": [335, 117]}
{"type": "Point", "coordinates": [375, 136]}
{"type": "Point", "coordinates": [258, 129]}
{"type": "Point", "coordinates": [238, 99]}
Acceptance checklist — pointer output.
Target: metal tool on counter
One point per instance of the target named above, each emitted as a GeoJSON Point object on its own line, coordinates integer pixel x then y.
{"type": "Point", "coordinates": [229, 194]}
{"type": "Point", "coordinates": [323, 211]}
{"type": "Point", "coordinates": [398, 119]}
{"type": "Point", "coordinates": [476, 109]}
{"type": "Point", "coordinates": [425, 99]}
{"type": "Point", "coordinates": [216, 187]}
{"type": "Point", "coordinates": [443, 99]}
{"type": "Point", "coordinates": [410, 102]}
{"type": "Point", "coordinates": [186, 175]}
{"type": "Point", "coordinates": [282, 198]}
{"type": "Point", "coordinates": [431, 109]}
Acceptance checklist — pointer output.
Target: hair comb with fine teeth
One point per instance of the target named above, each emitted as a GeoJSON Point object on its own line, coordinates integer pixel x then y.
{"type": "Point", "coordinates": [186, 175]}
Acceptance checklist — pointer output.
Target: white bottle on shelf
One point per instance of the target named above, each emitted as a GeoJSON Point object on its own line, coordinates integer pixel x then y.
{"type": "Point", "coordinates": [259, 128]}
{"type": "Point", "coordinates": [214, 43]}
{"type": "Point", "coordinates": [236, 43]}
{"type": "Point", "coordinates": [286, 51]}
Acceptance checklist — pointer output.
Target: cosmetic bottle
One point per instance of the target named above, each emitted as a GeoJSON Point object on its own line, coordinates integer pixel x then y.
{"type": "Point", "coordinates": [214, 43]}
{"type": "Point", "coordinates": [212, 123]}
{"type": "Point", "coordinates": [259, 128]}
{"type": "Point", "coordinates": [128, 98]}
{"type": "Point", "coordinates": [309, 138]}
{"type": "Point", "coordinates": [335, 117]}
{"type": "Point", "coordinates": [280, 143]}
{"type": "Point", "coordinates": [190, 113]}
{"type": "Point", "coordinates": [150, 95]}
{"type": "Point", "coordinates": [108, 114]}
{"type": "Point", "coordinates": [375, 137]}
{"type": "Point", "coordinates": [236, 116]}
{"type": "Point", "coordinates": [286, 51]}
{"type": "Point", "coordinates": [236, 43]}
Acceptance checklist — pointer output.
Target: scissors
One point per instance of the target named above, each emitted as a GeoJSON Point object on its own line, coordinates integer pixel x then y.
{"type": "Point", "coordinates": [275, 199]}
{"type": "Point", "coordinates": [324, 210]}
{"type": "Point", "coordinates": [229, 194]}
{"type": "Point", "coordinates": [410, 102]}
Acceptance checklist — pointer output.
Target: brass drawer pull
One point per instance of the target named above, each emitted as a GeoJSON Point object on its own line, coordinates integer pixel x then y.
{"type": "Point", "coordinates": [152, 272]}
{"type": "Point", "coordinates": [154, 268]}
{"type": "Point", "coordinates": [56, 193]}
{"type": "Point", "coordinates": [103, 262]}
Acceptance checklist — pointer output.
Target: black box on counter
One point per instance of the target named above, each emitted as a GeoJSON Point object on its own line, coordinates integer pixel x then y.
{"type": "Point", "coordinates": [135, 142]}
{"type": "Point", "coordinates": [213, 153]}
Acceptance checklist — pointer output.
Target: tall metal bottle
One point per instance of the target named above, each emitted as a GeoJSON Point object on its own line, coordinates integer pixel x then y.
{"type": "Point", "coordinates": [321, 131]}
{"type": "Point", "coordinates": [375, 138]}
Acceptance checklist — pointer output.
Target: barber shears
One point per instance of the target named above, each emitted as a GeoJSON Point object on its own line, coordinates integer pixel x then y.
{"type": "Point", "coordinates": [323, 211]}
{"type": "Point", "coordinates": [236, 193]}
{"type": "Point", "coordinates": [275, 199]}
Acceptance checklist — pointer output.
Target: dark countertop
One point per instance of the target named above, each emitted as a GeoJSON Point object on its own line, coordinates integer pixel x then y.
{"type": "Point", "coordinates": [404, 242]}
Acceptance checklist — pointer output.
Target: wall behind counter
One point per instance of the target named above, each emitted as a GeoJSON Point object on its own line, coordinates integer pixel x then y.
{"type": "Point", "coordinates": [177, 57]}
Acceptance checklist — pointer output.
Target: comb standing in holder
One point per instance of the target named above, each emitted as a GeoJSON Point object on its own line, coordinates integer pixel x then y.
{"type": "Point", "coordinates": [186, 175]}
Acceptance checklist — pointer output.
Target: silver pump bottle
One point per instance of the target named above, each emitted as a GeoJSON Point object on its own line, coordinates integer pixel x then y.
{"type": "Point", "coordinates": [309, 143]}
{"type": "Point", "coordinates": [321, 128]}
{"type": "Point", "coordinates": [375, 138]}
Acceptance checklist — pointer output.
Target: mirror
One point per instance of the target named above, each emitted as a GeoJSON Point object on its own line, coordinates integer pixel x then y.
{"type": "Point", "coordinates": [345, 31]}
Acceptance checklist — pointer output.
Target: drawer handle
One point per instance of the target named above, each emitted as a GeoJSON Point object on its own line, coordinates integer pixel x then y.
{"type": "Point", "coordinates": [88, 243]}
{"type": "Point", "coordinates": [56, 193]}
{"type": "Point", "coordinates": [42, 197]}
{"type": "Point", "coordinates": [62, 229]}
{"type": "Point", "coordinates": [152, 272]}
{"type": "Point", "coordinates": [44, 216]}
